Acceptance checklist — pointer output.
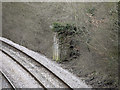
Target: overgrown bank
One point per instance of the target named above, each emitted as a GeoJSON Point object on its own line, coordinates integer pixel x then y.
{"type": "Point", "coordinates": [28, 24]}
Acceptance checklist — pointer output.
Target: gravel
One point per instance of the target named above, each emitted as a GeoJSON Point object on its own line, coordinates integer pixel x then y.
{"type": "Point", "coordinates": [17, 74]}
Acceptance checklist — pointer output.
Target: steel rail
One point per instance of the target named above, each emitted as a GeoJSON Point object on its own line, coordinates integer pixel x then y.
{"type": "Point", "coordinates": [38, 63]}
{"type": "Point", "coordinates": [9, 81]}
{"type": "Point", "coordinates": [24, 69]}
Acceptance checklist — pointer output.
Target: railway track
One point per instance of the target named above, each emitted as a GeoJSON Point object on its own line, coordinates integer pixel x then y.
{"type": "Point", "coordinates": [15, 58]}
{"type": "Point", "coordinates": [17, 74]}
{"type": "Point", "coordinates": [40, 72]}
{"type": "Point", "coordinates": [23, 68]}
{"type": "Point", "coordinates": [8, 81]}
{"type": "Point", "coordinates": [41, 81]}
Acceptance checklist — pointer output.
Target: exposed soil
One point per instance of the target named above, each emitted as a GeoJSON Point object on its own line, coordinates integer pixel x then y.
{"type": "Point", "coordinates": [28, 24]}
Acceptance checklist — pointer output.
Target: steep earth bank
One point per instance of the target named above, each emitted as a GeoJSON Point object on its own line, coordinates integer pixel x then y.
{"type": "Point", "coordinates": [28, 24]}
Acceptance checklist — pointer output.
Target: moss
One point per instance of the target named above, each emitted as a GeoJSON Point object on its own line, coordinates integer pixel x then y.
{"type": "Point", "coordinates": [67, 45]}
{"type": "Point", "coordinates": [91, 11]}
